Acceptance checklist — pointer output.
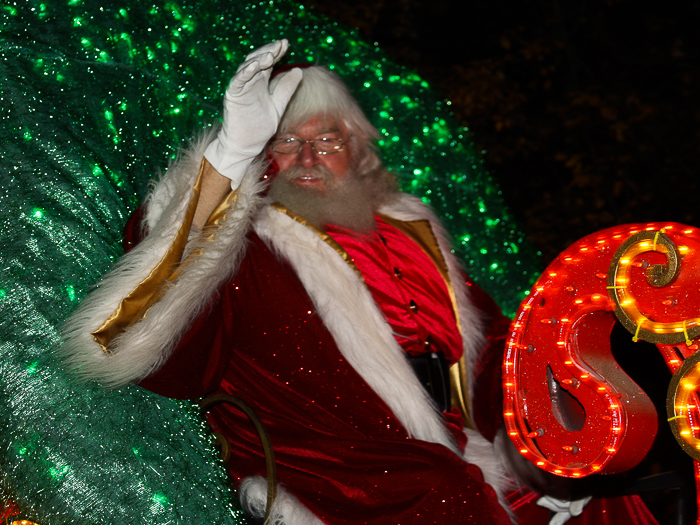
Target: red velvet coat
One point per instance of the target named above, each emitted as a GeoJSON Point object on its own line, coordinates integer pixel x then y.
{"type": "Point", "coordinates": [338, 448]}
{"type": "Point", "coordinates": [337, 445]}
{"type": "Point", "coordinates": [267, 310]}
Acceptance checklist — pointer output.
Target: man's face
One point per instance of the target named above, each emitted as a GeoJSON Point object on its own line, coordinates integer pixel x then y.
{"type": "Point", "coordinates": [306, 159]}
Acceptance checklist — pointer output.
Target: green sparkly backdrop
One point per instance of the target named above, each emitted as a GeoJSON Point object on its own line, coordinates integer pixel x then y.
{"type": "Point", "coordinates": [95, 98]}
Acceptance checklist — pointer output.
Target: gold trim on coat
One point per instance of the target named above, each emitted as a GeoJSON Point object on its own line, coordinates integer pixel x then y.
{"type": "Point", "coordinates": [135, 306]}
{"type": "Point", "coordinates": [422, 233]}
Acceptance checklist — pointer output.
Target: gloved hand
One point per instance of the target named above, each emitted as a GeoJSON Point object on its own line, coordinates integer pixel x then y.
{"type": "Point", "coordinates": [563, 510]}
{"type": "Point", "coordinates": [251, 112]}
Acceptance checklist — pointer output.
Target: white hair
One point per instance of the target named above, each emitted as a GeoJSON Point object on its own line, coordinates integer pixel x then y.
{"type": "Point", "coordinates": [322, 92]}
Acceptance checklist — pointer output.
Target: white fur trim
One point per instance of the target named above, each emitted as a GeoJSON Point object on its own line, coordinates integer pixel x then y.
{"type": "Point", "coordinates": [286, 510]}
{"type": "Point", "coordinates": [143, 347]}
{"type": "Point", "coordinates": [178, 181]}
{"type": "Point", "coordinates": [358, 326]}
{"type": "Point", "coordinates": [482, 453]}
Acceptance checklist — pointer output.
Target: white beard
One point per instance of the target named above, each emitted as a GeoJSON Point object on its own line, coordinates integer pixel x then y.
{"type": "Point", "coordinates": [349, 201]}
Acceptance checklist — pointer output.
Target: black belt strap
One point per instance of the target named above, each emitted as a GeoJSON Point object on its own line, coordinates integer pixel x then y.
{"type": "Point", "coordinates": [433, 372]}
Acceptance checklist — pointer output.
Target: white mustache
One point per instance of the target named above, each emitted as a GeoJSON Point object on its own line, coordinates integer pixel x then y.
{"type": "Point", "coordinates": [300, 172]}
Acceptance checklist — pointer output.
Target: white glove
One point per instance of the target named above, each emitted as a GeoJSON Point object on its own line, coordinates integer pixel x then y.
{"type": "Point", "coordinates": [251, 112]}
{"type": "Point", "coordinates": [563, 509]}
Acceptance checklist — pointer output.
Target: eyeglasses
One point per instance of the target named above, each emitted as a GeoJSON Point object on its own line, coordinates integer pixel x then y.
{"type": "Point", "coordinates": [322, 146]}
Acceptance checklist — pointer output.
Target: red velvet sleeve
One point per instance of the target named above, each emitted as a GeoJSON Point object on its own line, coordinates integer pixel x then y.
{"type": "Point", "coordinates": [487, 403]}
{"type": "Point", "coordinates": [197, 364]}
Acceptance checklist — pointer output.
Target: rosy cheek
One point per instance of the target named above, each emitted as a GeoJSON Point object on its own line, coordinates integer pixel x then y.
{"type": "Point", "coordinates": [338, 165]}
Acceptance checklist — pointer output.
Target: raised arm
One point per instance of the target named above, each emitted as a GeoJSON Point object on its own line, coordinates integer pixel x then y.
{"type": "Point", "coordinates": [119, 333]}
{"type": "Point", "coordinates": [252, 113]}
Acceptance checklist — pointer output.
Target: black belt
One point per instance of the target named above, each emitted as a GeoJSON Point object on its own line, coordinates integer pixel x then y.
{"type": "Point", "coordinates": [433, 372]}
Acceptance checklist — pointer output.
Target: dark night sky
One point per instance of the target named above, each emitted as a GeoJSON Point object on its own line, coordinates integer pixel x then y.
{"type": "Point", "coordinates": [588, 111]}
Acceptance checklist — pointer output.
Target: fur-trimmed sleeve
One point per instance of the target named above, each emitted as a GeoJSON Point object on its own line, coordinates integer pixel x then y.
{"type": "Point", "coordinates": [146, 339]}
